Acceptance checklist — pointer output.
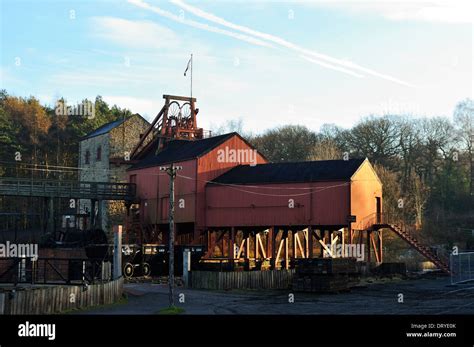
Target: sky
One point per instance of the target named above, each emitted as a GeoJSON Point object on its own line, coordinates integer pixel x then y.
{"type": "Point", "coordinates": [268, 63]}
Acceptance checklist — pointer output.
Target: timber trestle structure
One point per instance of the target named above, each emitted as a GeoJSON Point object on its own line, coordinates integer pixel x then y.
{"type": "Point", "coordinates": [277, 247]}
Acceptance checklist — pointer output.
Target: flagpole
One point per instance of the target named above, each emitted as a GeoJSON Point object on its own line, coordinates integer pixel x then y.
{"type": "Point", "coordinates": [191, 75]}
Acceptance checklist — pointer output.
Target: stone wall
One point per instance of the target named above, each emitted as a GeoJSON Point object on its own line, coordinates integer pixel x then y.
{"type": "Point", "coordinates": [125, 137]}
{"type": "Point", "coordinates": [96, 170]}
{"type": "Point", "coordinates": [116, 145]}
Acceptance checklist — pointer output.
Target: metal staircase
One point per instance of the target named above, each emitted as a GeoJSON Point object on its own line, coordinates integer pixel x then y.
{"type": "Point", "coordinates": [381, 221]}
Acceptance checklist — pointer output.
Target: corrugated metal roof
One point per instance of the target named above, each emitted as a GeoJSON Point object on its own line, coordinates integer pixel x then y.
{"type": "Point", "coordinates": [309, 171]}
{"type": "Point", "coordinates": [181, 150]}
{"type": "Point", "coordinates": [104, 129]}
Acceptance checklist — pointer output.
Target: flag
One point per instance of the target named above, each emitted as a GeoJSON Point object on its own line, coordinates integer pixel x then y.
{"type": "Point", "coordinates": [187, 66]}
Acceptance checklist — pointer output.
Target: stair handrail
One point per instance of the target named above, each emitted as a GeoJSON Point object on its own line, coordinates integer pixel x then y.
{"type": "Point", "coordinates": [381, 219]}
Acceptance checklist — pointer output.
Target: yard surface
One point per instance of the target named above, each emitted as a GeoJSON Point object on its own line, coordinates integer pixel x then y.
{"type": "Point", "coordinates": [420, 296]}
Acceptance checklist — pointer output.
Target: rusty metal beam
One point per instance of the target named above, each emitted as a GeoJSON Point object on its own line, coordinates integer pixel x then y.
{"type": "Point", "coordinates": [150, 128]}
{"type": "Point", "coordinates": [179, 98]}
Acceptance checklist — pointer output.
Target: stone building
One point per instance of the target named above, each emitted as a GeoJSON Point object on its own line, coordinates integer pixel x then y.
{"type": "Point", "coordinates": [104, 155]}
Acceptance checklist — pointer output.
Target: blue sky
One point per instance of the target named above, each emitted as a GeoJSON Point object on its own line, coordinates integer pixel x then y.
{"type": "Point", "coordinates": [269, 63]}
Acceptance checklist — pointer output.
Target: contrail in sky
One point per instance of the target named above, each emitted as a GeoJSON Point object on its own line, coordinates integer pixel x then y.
{"type": "Point", "coordinates": [199, 25]}
{"type": "Point", "coordinates": [282, 42]}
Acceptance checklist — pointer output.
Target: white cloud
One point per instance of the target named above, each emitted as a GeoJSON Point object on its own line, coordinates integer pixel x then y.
{"type": "Point", "coordinates": [136, 34]}
{"type": "Point", "coordinates": [447, 11]}
{"type": "Point", "coordinates": [144, 106]}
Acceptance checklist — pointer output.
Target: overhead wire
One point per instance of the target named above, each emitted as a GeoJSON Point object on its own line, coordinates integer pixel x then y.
{"type": "Point", "coordinates": [238, 187]}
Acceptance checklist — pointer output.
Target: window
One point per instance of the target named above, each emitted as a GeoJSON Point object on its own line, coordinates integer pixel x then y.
{"type": "Point", "coordinates": [87, 158]}
{"type": "Point", "coordinates": [99, 153]}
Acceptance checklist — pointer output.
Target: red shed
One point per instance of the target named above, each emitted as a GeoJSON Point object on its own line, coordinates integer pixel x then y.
{"type": "Point", "coordinates": [329, 193]}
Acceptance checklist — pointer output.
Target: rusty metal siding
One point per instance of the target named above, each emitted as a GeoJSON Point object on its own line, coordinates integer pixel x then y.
{"type": "Point", "coordinates": [320, 203]}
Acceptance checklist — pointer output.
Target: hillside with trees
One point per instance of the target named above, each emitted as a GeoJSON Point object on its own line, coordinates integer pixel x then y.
{"type": "Point", "coordinates": [425, 163]}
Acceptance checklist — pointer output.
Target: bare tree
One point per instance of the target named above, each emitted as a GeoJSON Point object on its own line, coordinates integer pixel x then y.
{"type": "Point", "coordinates": [287, 143]}
{"type": "Point", "coordinates": [377, 138]}
{"type": "Point", "coordinates": [325, 149]}
{"type": "Point", "coordinates": [464, 123]}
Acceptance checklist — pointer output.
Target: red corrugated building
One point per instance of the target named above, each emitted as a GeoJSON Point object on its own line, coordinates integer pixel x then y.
{"type": "Point", "coordinates": [228, 197]}
{"type": "Point", "coordinates": [201, 161]}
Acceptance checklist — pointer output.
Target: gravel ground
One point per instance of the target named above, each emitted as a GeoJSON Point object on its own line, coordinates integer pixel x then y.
{"type": "Point", "coordinates": [420, 296]}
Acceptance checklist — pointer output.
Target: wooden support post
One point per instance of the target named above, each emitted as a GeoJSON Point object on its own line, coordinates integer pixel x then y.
{"type": "Point", "coordinates": [217, 240]}
{"type": "Point", "coordinates": [210, 243]}
{"type": "Point", "coordinates": [256, 253]}
{"type": "Point", "coordinates": [324, 247]}
{"type": "Point", "coordinates": [273, 235]}
{"type": "Point", "coordinates": [277, 258]}
{"type": "Point", "coordinates": [306, 242]}
{"type": "Point", "coordinates": [372, 239]}
{"type": "Point", "coordinates": [368, 246]}
{"type": "Point", "coordinates": [310, 242]}
{"type": "Point", "coordinates": [255, 245]}
{"type": "Point", "coordinates": [270, 249]}
{"type": "Point", "coordinates": [343, 242]}
{"type": "Point", "coordinates": [298, 244]}
{"type": "Point", "coordinates": [380, 246]}
{"type": "Point", "coordinates": [241, 248]}
{"type": "Point", "coordinates": [259, 243]}
{"type": "Point", "coordinates": [231, 246]}
{"type": "Point", "coordinates": [331, 243]}
{"type": "Point", "coordinates": [224, 236]}
{"type": "Point", "coordinates": [321, 241]}
{"type": "Point", "coordinates": [247, 243]}
{"type": "Point", "coordinates": [295, 243]}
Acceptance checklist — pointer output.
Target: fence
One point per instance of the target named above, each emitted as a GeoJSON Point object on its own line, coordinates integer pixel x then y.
{"type": "Point", "coordinates": [54, 271]}
{"type": "Point", "coordinates": [271, 279]}
{"type": "Point", "coordinates": [462, 267]}
{"type": "Point", "coordinates": [56, 299]}
{"type": "Point", "coordinates": [66, 189]}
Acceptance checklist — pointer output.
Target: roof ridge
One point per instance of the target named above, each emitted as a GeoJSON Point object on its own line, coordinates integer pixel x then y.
{"type": "Point", "coordinates": [291, 172]}
{"type": "Point", "coordinates": [186, 150]}
{"type": "Point", "coordinates": [97, 130]}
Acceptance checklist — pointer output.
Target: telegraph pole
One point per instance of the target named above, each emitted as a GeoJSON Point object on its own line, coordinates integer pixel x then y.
{"type": "Point", "coordinates": [171, 171]}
